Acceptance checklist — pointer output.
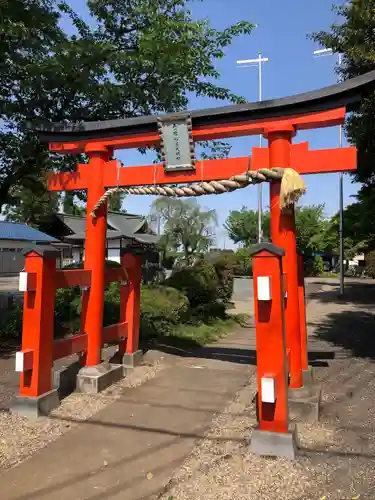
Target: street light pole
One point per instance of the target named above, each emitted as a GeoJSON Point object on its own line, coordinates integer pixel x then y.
{"type": "Point", "coordinates": [247, 63]}
{"type": "Point", "coordinates": [321, 53]}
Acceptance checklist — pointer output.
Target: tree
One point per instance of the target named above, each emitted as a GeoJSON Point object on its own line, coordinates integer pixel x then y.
{"type": "Point", "coordinates": [311, 227]}
{"type": "Point", "coordinates": [355, 238]}
{"type": "Point", "coordinates": [141, 57]}
{"type": "Point", "coordinates": [354, 37]}
{"type": "Point", "coordinates": [33, 205]}
{"type": "Point", "coordinates": [242, 226]}
{"type": "Point", "coordinates": [115, 202]}
{"type": "Point", "coordinates": [186, 226]}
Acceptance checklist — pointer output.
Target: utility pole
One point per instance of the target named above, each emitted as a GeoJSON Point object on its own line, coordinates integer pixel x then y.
{"type": "Point", "coordinates": [247, 63]}
{"type": "Point", "coordinates": [323, 53]}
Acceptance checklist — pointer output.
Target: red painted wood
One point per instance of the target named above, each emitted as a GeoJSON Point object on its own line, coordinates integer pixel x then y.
{"type": "Point", "coordinates": [283, 233]}
{"type": "Point", "coordinates": [116, 332]}
{"type": "Point", "coordinates": [302, 314]}
{"type": "Point", "coordinates": [130, 296]}
{"type": "Point", "coordinates": [302, 160]}
{"type": "Point", "coordinates": [28, 359]}
{"type": "Point", "coordinates": [38, 325]}
{"type": "Point", "coordinates": [71, 345]}
{"type": "Point", "coordinates": [270, 342]}
{"type": "Point", "coordinates": [115, 274]}
{"type": "Point", "coordinates": [96, 230]}
{"type": "Point", "coordinates": [67, 278]}
{"type": "Point", "coordinates": [232, 129]}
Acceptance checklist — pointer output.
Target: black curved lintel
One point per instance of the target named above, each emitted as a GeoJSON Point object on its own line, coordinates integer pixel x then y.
{"type": "Point", "coordinates": [345, 94]}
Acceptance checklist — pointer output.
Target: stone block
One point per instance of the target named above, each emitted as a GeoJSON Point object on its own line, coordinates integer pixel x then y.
{"type": "Point", "coordinates": [132, 360]}
{"type": "Point", "coordinates": [274, 444]}
{"type": "Point", "coordinates": [304, 403]}
{"type": "Point", "coordinates": [64, 378]}
{"type": "Point", "coordinates": [94, 379]}
{"type": "Point", "coordinates": [34, 407]}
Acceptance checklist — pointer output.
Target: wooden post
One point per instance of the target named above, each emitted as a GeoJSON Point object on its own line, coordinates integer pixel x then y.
{"type": "Point", "coordinates": [270, 338]}
{"type": "Point", "coordinates": [38, 323]}
{"type": "Point", "coordinates": [302, 315]}
{"type": "Point", "coordinates": [283, 233]}
{"type": "Point", "coordinates": [130, 296]}
{"type": "Point", "coordinates": [273, 436]}
{"type": "Point", "coordinates": [96, 229]}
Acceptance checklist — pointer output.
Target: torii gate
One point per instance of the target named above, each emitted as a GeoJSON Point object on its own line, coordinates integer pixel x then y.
{"type": "Point", "coordinates": [278, 120]}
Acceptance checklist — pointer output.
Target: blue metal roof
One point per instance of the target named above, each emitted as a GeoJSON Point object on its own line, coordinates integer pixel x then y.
{"type": "Point", "coordinates": [22, 232]}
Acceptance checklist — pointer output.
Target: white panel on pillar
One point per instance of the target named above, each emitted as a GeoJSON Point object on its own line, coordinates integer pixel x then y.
{"type": "Point", "coordinates": [264, 288]}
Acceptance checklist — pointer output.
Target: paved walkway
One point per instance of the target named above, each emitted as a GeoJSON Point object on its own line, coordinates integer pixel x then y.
{"type": "Point", "coordinates": [130, 449]}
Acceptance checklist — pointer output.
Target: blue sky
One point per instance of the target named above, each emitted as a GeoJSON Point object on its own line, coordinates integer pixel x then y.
{"type": "Point", "coordinates": [280, 36]}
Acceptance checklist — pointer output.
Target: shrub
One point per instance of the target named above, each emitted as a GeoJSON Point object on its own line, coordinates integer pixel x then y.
{"type": "Point", "coordinates": [198, 283]}
{"type": "Point", "coordinates": [224, 265]}
{"type": "Point", "coordinates": [11, 328]}
{"type": "Point", "coordinates": [67, 310]}
{"type": "Point", "coordinates": [317, 266]}
{"type": "Point", "coordinates": [111, 312]}
{"type": "Point", "coordinates": [370, 263]}
{"type": "Point", "coordinates": [162, 308]}
{"type": "Point", "coordinates": [243, 262]}
{"type": "Point", "coordinates": [79, 265]}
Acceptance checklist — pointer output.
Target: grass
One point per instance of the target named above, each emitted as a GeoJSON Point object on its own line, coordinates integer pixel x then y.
{"type": "Point", "coordinates": [330, 275]}
{"type": "Point", "coordinates": [200, 333]}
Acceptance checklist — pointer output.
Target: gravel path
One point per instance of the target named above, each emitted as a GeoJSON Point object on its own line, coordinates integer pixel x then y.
{"type": "Point", "coordinates": [337, 456]}
{"type": "Point", "coordinates": [20, 437]}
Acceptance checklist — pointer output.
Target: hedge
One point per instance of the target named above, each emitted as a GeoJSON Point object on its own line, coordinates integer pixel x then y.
{"type": "Point", "coordinates": [199, 283]}
{"type": "Point", "coordinates": [370, 263]}
{"type": "Point", "coordinates": [161, 309]}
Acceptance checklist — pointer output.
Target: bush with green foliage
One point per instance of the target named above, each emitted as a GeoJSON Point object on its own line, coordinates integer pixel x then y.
{"type": "Point", "coordinates": [224, 265]}
{"type": "Point", "coordinates": [67, 310]}
{"type": "Point", "coordinates": [370, 263]}
{"type": "Point", "coordinates": [11, 326]}
{"type": "Point", "coordinates": [317, 266]}
{"type": "Point", "coordinates": [162, 308]}
{"type": "Point", "coordinates": [199, 283]}
{"type": "Point", "coordinates": [243, 262]}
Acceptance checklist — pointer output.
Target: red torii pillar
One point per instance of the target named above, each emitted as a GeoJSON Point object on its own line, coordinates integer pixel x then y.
{"type": "Point", "coordinates": [94, 260]}
{"type": "Point", "coordinates": [283, 234]}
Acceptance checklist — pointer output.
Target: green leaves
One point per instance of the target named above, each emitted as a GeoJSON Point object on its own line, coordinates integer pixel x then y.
{"type": "Point", "coordinates": [242, 226]}
{"type": "Point", "coordinates": [136, 57]}
{"type": "Point", "coordinates": [354, 37]}
{"type": "Point", "coordinates": [186, 226]}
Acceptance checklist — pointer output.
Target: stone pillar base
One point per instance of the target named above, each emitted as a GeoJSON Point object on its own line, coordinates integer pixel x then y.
{"type": "Point", "coordinates": [65, 379]}
{"type": "Point", "coordinates": [274, 444]}
{"type": "Point", "coordinates": [308, 376]}
{"type": "Point", "coordinates": [94, 379]}
{"type": "Point", "coordinates": [131, 360]}
{"type": "Point", "coordinates": [304, 403]}
{"type": "Point", "coordinates": [34, 407]}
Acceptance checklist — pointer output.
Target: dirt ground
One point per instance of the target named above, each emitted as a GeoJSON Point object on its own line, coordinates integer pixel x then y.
{"type": "Point", "coordinates": [337, 455]}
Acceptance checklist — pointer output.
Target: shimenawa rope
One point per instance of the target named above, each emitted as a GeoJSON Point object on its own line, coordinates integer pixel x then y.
{"type": "Point", "coordinates": [292, 186]}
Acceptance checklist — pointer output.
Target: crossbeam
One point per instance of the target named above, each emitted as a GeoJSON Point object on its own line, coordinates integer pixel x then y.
{"type": "Point", "coordinates": [305, 121]}
{"type": "Point", "coordinates": [115, 333]}
{"type": "Point", "coordinates": [302, 160]}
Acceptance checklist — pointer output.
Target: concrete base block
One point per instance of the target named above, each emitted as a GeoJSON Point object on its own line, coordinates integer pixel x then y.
{"type": "Point", "coordinates": [274, 444]}
{"type": "Point", "coordinates": [64, 379]}
{"type": "Point", "coordinates": [94, 379]}
{"type": "Point", "coordinates": [34, 407]}
{"type": "Point", "coordinates": [308, 376]}
{"type": "Point", "coordinates": [132, 360]}
{"type": "Point", "coordinates": [304, 403]}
